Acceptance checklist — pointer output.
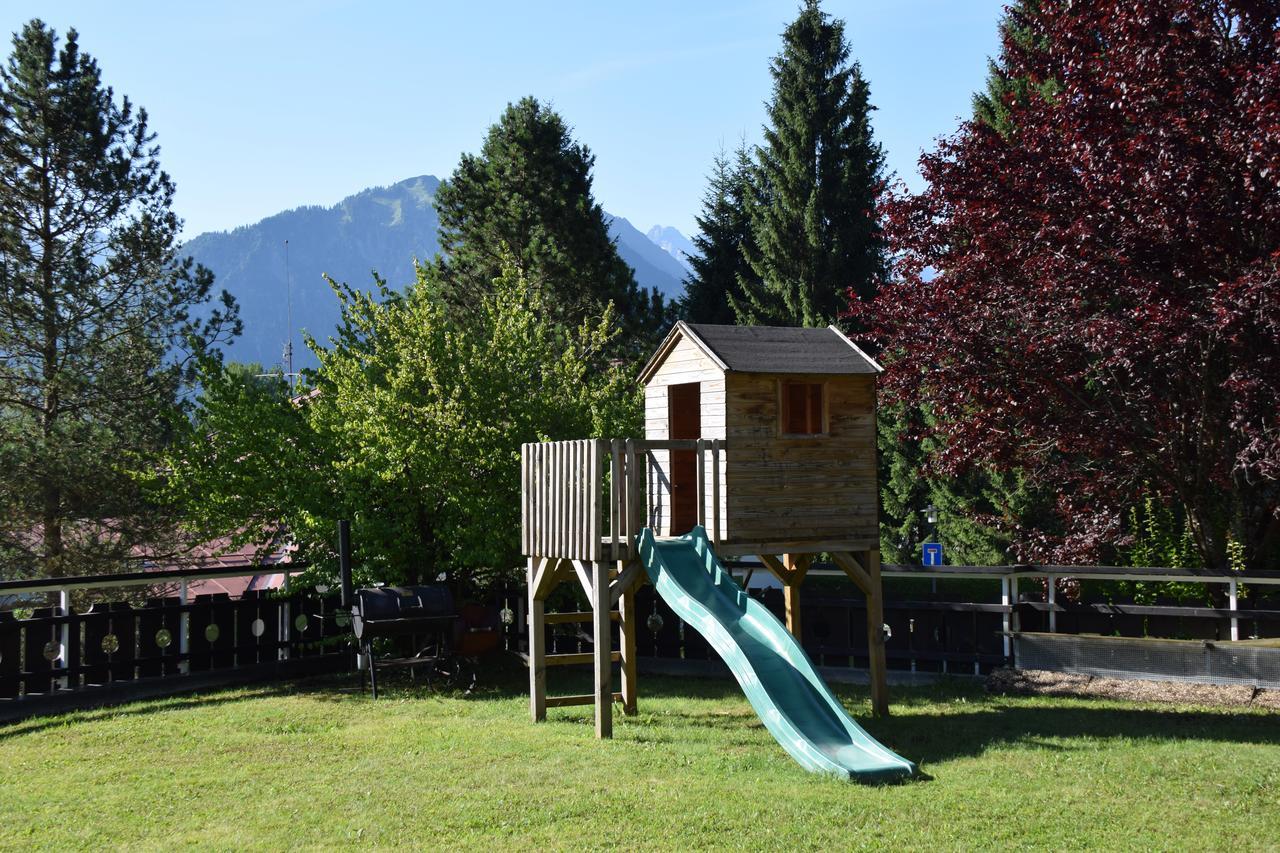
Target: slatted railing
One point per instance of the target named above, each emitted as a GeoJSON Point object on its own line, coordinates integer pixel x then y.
{"type": "Point", "coordinates": [587, 499]}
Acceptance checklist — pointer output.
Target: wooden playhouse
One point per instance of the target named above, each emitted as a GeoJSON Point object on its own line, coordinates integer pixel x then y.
{"type": "Point", "coordinates": [766, 436]}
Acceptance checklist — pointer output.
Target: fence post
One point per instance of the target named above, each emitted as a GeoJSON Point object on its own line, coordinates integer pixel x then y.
{"type": "Point", "coordinates": [64, 636]}
{"type": "Point", "coordinates": [1233, 589]}
{"type": "Point", "coordinates": [286, 626]}
{"type": "Point", "coordinates": [184, 628]}
{"type": "Point", "coordinates": [1007, 616]}
{"type": "Point", "coordinates": [1053, 604]}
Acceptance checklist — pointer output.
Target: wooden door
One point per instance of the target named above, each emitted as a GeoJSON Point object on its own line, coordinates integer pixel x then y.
{"type": "Point", "coordinates": [684, 415]}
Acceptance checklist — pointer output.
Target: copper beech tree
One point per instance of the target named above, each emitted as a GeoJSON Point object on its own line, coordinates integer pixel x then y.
{"type": "Point", "coordinates": [1094, 297]}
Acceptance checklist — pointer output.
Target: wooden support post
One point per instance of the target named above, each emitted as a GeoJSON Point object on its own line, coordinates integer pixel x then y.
{"type": "Point", "coordinates": [715, 492]}
{"type": "Point", "coordinates": [875, 636]}
{"type": "Point", "coordinates": [627, 630]}
{"type": "Point", "coordinates": [600, 606]}
{"type": "Point", "coordinates": [537, 650]}
{"type": "Point", "coordinates": [791, 596]}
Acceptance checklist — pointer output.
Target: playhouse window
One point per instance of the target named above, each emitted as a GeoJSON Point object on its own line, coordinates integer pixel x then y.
{"type": "Point", "coordinates": [803, 409]}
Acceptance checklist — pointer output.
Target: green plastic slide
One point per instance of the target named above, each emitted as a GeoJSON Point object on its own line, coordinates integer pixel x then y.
{"type": "Point", "coordinates": [778, 678]}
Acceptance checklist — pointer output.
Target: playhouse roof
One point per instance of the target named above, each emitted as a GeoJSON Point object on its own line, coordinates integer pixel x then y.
{"type": "Point", "coordinates": [770, 349]}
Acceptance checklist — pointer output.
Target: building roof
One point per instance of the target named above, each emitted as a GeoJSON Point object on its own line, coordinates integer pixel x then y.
{"type": "Point", "coordinates": [770, 349]}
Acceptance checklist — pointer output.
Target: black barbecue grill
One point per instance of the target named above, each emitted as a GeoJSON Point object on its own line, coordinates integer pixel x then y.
{"type": "Point", "coordinates": [425, 614]}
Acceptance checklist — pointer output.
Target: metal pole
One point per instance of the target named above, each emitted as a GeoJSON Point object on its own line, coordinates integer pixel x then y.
{"type": "Point", "coordinates": [344, 561]}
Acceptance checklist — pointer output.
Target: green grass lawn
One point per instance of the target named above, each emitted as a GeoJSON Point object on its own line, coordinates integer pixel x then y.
{"type": "Point", "coordinates": [318, 765]}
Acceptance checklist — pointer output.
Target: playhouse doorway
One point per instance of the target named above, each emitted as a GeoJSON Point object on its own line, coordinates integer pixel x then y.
{"type": "Point", "coordinates": [684, 415]}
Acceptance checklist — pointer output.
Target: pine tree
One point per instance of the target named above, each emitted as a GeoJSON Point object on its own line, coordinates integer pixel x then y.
{"type": "Point", "coordinates": [96, 313]}
{"type": "Point", "coordinates": [525, 201]}
{"type": "Point", "coordinates": [720, 265]}
{"type": "Point", "coordinates": [818, 178]}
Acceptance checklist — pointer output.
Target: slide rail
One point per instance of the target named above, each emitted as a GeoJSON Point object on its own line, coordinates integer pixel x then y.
{"type": "Point", "coordinates": [588, 499]}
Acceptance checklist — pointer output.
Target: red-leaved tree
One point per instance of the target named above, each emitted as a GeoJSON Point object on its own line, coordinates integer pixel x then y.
{"type": "Point", "coordinates": [1095, 299]}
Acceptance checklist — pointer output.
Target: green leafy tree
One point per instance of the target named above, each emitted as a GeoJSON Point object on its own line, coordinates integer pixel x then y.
{"type": "Point", "coordinates": [412, 429]}
{"type": "Point", "coordinates": [525, 202]}
{"type": "Point", "coordinates": [818, 177]}
{"type": "Point", "coordinates": [98, 321]}
{"type": "Point", "coordinates": [720, 266]}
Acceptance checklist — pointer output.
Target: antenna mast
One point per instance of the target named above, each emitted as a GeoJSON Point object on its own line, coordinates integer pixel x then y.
{"type": "Point", "coordinates": [288, 344]}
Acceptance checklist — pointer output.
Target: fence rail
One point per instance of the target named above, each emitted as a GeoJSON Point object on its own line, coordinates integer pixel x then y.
{"type": "Point", "coordinates": [934, 634]}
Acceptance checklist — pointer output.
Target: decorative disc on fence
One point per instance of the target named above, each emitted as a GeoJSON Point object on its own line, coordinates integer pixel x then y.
{"type": "Point", "coordinates": [301, 622]}
{"type": "Point", "coordinates": [111, 644]}
{"type": "Point", "coordinates": [654, 622]}
{"type": "Point", "coordinates": [258, 628]}
{"type": "Point", "coordinates": [342, 619]}
{"type": "Point", "coordinates": [52, 651]}
{"type": "Point", "coordinates": [211, 633]}
{"type": "Point", "coordinates": [163, 638]}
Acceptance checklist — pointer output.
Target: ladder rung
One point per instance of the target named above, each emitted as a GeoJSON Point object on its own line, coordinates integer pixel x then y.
{"type": "Point", "coordinates": [584, 657]}
{"type": "Point", "coordinates": [575, 616]}
{"type": "Point", "coordinates": [582, 699]}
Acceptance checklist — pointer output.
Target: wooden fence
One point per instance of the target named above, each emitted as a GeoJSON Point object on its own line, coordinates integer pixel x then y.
{"type": "Point", "coordinates": [48, 650]}
{"type": "Point", "coordinates": [945, 634]}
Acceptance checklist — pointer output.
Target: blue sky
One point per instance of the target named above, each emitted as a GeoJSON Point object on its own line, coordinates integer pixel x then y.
{"type": "Point", "coordinates": [270, 105]}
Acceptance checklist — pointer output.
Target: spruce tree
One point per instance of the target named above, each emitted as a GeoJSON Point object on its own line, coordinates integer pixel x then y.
{"type": "Point", "coordinates": [720, 265]}
{"type": "Point", "coordinates": [817, 176]}
{"type": "Point", "coordinates": [992, 107]}
{"type": "Point", "coordinates": [525, 203]}
{"type": "Point", "coordinates": [97, 325]}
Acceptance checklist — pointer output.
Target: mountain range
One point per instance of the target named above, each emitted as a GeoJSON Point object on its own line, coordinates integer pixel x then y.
{"type": "Point", "coordinates": [275, 268]}
{"type": "Point", "coordinates": [673, 243]}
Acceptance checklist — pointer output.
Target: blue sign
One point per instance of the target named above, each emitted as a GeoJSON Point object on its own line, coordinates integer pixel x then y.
{"type": "Point", "coordinates": [932, 554]}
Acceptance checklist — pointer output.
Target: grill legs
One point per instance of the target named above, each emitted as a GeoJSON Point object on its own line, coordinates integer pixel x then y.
{"type": "Point", "coordinates": [373, 669]}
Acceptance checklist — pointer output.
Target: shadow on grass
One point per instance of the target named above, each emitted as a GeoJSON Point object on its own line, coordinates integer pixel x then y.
{"type": "Point", "coordinates": [929, 733]}
{"type": "Point", "coordinates": [145, 706]}
{"type": "Point", "coordinates": [936, 725]}
{"type": "Point", "coordinates": [934, 737]}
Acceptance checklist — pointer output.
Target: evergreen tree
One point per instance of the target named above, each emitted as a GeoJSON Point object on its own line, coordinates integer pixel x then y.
{"type": "Point", "coordinates": [720, 265]}
{"type": "Point", "coordinates": [993, 107]}
{"type": "Point", "coordinates": [96, 321]}
{"type": "Point", "coordinates": [525, 203]}
{"type": "Point", "coordinates": [818, 177]}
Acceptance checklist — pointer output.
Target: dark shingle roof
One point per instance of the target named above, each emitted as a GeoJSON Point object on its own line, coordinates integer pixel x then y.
{"type": "Point", "coordinates": [780, 349]}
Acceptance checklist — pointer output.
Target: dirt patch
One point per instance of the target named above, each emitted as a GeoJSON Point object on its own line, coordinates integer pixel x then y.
{"type": "Point", "coordinates": [1043, 683]}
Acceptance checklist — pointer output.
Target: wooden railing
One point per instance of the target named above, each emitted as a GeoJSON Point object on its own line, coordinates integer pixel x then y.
{"type": "Point", "coordinates": [47, 650]}
{"type": "Point", "coordinates": [589, 499]}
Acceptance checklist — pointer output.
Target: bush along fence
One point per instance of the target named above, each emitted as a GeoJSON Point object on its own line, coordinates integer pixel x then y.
{"type": "Point", "coordinates": [162, 634]}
